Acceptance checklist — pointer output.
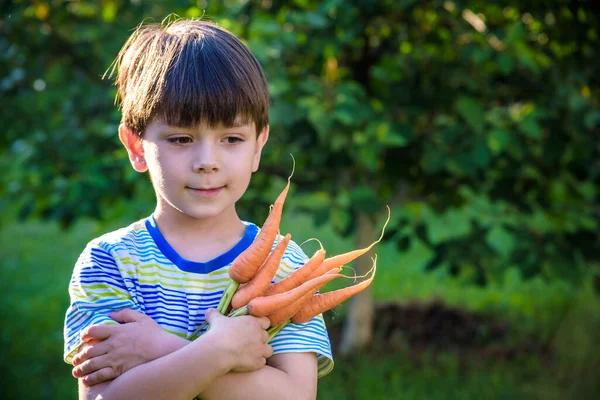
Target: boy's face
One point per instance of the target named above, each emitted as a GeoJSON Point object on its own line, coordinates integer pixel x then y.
{"type": "Point", "coordinates": [200, 172]}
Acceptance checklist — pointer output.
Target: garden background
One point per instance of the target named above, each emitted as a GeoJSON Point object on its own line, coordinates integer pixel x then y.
{"type": "Point", "coordinates": [476, 121]}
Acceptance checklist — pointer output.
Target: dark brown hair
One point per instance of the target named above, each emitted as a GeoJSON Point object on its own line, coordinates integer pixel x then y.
{"type": "Point", "coordinates": [189, 72]}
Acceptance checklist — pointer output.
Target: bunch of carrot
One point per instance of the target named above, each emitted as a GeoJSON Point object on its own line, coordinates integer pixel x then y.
{"type": "Point", "coordinates": [294, 298]}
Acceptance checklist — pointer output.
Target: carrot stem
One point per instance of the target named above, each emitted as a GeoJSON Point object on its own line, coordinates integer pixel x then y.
{"type": "Point", "coordinates": [274, 330]}
{"type": "Point", "coordinates": [227, 296]}
{"type": "Point", "coordinates": [238, 312]}
{"type": "Point", "coordinates": [196, 333]}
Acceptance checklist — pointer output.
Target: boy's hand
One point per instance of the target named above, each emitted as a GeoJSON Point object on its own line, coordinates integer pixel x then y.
{"type": "Point", "coordinates": [110, 350]}
{"type": "Point", "coordinates": [244, 339]}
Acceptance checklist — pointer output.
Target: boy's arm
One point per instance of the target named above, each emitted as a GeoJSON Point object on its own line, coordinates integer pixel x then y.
{"type": "Point", "coordinates": [290, 376]}
{"type": "Point", "coordinates": [287, 376]}
{"type": "Point", "coordinates": [179, 375]}
{"type": "Point", "coordinates": [231, 343]}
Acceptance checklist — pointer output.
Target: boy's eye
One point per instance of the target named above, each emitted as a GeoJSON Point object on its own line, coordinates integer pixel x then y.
{"type": "Point", "coordinates": [232, 139]}
{"type": "Point", "coordinates": [180, 140]}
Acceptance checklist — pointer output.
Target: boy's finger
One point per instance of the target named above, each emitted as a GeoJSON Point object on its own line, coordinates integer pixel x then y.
{"type": "Point", "coordinates": [126, 315]}
{"type": "Point", "coordinates": [265, 336]}
{"type": "Point", "coordinates": [102, 375]}
{"type": "Point", "coordinates": [90, 366]}
{"type": "Point", "coordinates": [268, 351]}
{"type": "Point", "coordinates": [89, 351]}
{"type": "Point", "coordinates": [100, 331]}
{"type": "Point", "coordinates": [211, 314]}
{"type": "Point", "coordinates": [264, 322]}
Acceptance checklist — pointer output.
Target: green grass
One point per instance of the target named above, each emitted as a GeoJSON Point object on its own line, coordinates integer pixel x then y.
{"type": "Point", "coordinates": [36, 261]}
{"type": "Point", "coordinates": [397, 376]}
{"type": "Point", "coordinates": [36, 264]}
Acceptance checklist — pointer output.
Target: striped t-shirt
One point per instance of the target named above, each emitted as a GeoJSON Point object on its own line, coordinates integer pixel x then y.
{"type": "Point", "coordinates": [135, 267]}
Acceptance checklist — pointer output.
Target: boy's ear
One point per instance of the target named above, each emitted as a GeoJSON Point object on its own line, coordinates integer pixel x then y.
{"type": "Point", "coordinates": [133, 144]}
{"type": "Point", "coordinates": [261, 140]}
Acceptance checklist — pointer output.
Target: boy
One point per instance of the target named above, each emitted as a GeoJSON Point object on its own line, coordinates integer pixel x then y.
{"type": "Point", "coordinates": [195, 116]}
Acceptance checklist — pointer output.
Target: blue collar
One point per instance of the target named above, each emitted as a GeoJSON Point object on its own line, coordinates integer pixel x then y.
{"type": "Point", "coordinates": [200, 267]}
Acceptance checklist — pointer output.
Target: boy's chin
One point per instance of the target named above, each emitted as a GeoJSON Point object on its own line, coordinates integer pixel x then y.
{"type": "Point", "coordinates": [205, 213]}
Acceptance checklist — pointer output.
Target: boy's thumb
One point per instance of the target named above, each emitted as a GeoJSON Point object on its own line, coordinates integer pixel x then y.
{"type": "Point", "coordinates": [126, 315]}
{"type": "Point", "coordinates": [211, 314]}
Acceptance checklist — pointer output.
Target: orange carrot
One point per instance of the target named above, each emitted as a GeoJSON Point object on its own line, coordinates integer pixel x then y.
{"type": "Point", "coordinates": [345, 258]}
{"type": "Point", "coordinates": [298, 276]}
{"type": "Point", "coordinates": [265, 305]}
{"type": "Point", "coordinates": [287, 312]}
{"type": "Point", "coordinates": [249, 261]}
{"type": "Point", "coordinates": [262, 279]}
{"type": "Point", "coordinates": [326, 301]}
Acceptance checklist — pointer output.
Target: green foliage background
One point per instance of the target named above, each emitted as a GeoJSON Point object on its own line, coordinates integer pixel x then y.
{"type": "Point", "coordinates": [477, 121]}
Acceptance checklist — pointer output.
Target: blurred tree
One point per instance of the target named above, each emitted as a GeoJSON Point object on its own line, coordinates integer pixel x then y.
{"type": "Point", "coordinates": [476, 119]}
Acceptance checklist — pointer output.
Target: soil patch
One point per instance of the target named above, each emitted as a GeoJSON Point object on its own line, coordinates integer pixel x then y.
{"type": "Point", "coordinates": [416, 327]}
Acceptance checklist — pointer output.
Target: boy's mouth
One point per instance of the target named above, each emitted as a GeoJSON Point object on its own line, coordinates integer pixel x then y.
{"type": "Point", "coordinates": [206, 192]}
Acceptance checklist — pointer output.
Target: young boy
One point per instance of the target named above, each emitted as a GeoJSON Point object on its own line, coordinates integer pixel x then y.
{"type": "Point", "coordinates": [195, 116]}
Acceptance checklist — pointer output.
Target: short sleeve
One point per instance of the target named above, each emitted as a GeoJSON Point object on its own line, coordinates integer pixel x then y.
{"type": "Point", "coordinates": [96, 289]}
{"type": "Point", "coordinates": [311, 336]}
{"type": "Point", "coordinates": [308, 337]}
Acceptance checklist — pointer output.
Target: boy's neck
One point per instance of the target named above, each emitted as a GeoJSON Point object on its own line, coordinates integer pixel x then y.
{"type": "Point", "coordinates": [200, 240]}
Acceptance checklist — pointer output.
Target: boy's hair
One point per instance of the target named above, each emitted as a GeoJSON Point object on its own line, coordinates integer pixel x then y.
{"type": "Point", "coordinates": [189, 72]}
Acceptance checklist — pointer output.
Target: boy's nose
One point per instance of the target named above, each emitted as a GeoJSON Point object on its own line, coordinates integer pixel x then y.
{"type": "Point", "coordinates": [206, 166]}
{"type": "Point", "coordinates": [205, 160]}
